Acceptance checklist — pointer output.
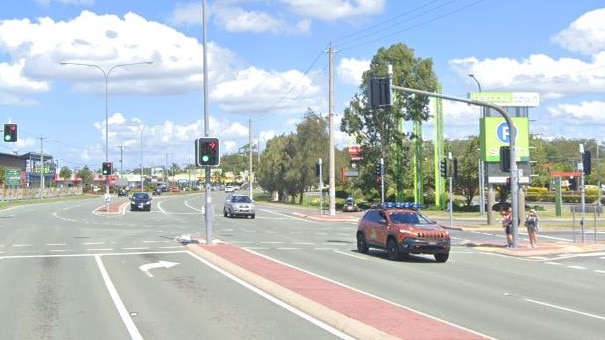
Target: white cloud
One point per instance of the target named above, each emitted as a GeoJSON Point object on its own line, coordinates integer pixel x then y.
{"type": "Point", "coordinates": [275, 16]}
{"type": "Point", "coordinates": [254, 91]}
{"type": "Point", "coordinates": [350, 70]}
{"type": "Point", "coordinates": [585, 35]}
{"type": "Point", "coordinates": [330, 10]}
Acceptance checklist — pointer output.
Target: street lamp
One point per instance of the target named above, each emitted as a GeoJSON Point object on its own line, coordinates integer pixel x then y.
{"type": "Point", "coordinates": [481, 165]}
{"type": "Point", "coordinates": [477, 81]}
{"type": "Point", "coordinates": [142, 178]}
{"type": "Point", "coordinates": [106, 74]}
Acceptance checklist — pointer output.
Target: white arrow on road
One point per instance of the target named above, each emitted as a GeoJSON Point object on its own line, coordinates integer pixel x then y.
{"type": "Point", "coordinates": [165, 264]}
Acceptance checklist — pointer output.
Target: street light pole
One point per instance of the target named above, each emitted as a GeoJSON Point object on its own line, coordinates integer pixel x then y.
{"type": "Point", "coordinates": [481, 164]}
{"type": "Point", "coordinates": [106, 75]}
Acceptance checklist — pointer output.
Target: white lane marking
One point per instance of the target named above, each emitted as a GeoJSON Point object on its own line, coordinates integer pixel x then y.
{"type": "Point", "coordinates": [117, 301]}
{"type": "Point", "coordinates": [56, 244]}
{"type": "Point", "coordinates": [565, 309]}
{"type": "Point", "coordinates": [365, 258]}
{"type": "Point", "coordinates": [576, 267]}
{"type": "Point", "coordinates": [287, 216]}
{"type": "Point", "coordinates": [276, 301]}
{"type": "Point", "coordinates": [192, 207]}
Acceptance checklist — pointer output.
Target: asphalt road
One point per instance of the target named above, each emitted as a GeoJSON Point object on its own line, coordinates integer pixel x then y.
{"type": "Point", "coordinates": [69, 273]}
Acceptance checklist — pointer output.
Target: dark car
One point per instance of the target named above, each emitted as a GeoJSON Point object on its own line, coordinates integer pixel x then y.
{"type": "Point", "coordinates": [239, 205]}
{"type": "Point", "coordinates": [122, 192]}
{"type": "Point", "coordinates": [140, 201]}
{"type": "Point", "coordinates": [350, 206]}
{"type": "Point", "coordinates": [401, 229]}
{"type": "Point", "coordinates": [157, 191]}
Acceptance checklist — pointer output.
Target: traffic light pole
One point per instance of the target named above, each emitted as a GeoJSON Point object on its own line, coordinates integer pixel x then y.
{"type": "Point", "coordinates": [514, 185]}
{"type": "Point", "coordinates": [208, 211]}
{"type": "Point", "coordinates": [382, 179]}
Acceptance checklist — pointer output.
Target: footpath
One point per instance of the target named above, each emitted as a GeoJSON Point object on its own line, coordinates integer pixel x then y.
{"type": "Point", "coordinates": [353, 313]}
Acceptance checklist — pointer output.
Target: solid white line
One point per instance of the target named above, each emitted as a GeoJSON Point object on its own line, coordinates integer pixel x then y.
{"type": "Point", "coordinates": [352, 255]}
{"type": "Point", "coordinates": [276, 301]}
{"type": "Point", "coordinates": [599, 271]}
{"type": "Point", "coordinates": [117, 301]}
{"type": "Point", "coordinates": [565, 309]}
{"type": "Point", "coordinates": [56, 244]}
{"type": "Point", "coordinates": [576, 267]}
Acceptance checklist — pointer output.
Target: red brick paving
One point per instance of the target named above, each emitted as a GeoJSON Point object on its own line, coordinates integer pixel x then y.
{"type": "Point", "coordinates": [388, 318]}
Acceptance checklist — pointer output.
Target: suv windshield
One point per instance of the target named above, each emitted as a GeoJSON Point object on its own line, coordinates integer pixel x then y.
{"type": "Point", "coordinates": [409, 218]}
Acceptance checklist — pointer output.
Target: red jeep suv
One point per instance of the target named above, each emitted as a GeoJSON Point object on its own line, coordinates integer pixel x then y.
{"type": "Point", "coordinates": [401, 229]}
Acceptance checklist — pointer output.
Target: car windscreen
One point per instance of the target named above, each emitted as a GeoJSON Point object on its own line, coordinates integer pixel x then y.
{"type": "Point", "coordinates": [241, 199]}
{"type": "Point", "coordinates": [408, 218]}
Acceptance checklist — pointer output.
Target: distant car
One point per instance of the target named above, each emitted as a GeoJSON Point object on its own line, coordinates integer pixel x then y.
{"type": "Point", "coordinates": [401, 230]}
{"type": "Point", "coordinates": [239, 205]}
{"type": "Point", "coordinates": [140, 201]}
{"type": "Point", "coordinates": [350, 206]}
{"type": "Point", "coordinates": [157, 191]}
{"type": "Point", "coordinates": [122, 193]}
{"type": "Point", "coordinates": [229, 188]}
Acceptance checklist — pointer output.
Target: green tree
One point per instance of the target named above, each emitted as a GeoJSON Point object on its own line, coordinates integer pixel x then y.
{"type": "Point", "coordinates": [467, 182]}
{"type": "Point", "coordinates": [86, 176]}
{"type": "Point", "coordinates": [380, 131]}
{"type": "Point", "coordinates": [65, 173]}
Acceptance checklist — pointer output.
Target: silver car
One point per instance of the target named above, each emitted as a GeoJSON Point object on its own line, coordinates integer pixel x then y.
{"type": "Point", "coordinates": [239, 205]}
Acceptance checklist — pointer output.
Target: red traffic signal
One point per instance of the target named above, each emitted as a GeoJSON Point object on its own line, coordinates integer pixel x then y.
{"type": "Point", "coordinates": [10, 132]}
{"type": "Point", "coordinates": [207, 151]}
{"type": "Point", "coordinates": [107, 167]}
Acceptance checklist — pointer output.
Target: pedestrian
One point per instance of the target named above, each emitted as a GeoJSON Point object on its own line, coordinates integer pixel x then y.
{"type": "Point", "coordinates": [531, 222]}
{"type": "Point", "coordinates": [507, 224]}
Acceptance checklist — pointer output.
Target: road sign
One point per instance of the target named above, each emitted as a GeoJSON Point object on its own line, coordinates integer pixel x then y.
{"type": "Point", "coordinates": [12, 176]}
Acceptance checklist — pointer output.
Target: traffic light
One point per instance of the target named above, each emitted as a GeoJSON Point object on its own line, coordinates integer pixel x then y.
{"type": "Point", "coordinates": [443, 167]}
{"type": "Point", "coordinates": [505, 158]}
{"type": "Point", "coordinates": [106, 168]}
{"type": "Point", "coordinates": [317, 169]}
{"type": "Point", "coordinates": [573, 184]}
{"type": "Point", "coordinates": [380, 92]}
{"type": "Point", "coordinates": [586, 162]}
{"type": "Point", "coordinates": [455, 168]}
{"type": "Point", "coordinates": [378, 169]}
{"type": "Point", "coordinates": [207, 151]}
{"type": "Point", "coordinates": [10, 132]}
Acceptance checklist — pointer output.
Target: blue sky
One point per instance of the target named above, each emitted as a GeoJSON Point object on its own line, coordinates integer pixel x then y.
{"type": "Point", "coordinates": [267, 64]}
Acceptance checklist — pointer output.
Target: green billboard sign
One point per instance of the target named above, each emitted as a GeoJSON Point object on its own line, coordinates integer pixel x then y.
{"type": "Point", "coordinates": [12, 177]}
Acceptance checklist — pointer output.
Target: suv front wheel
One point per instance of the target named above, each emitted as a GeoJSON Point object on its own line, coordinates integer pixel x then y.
{"type": "Point", "coordinates": [442, 257]}
{"type": "Point", "coordinates": [362, 246]}
{"type": "Point", "coordinates": [393, 250]}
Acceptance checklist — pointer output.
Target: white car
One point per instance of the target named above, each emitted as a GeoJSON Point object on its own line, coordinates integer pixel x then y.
{"type": "Point", "coordinates": [239, 205]}
{"type": "Point", "coordinates": [229, 189]}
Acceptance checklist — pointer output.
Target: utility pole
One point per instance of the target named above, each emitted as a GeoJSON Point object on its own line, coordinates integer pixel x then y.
{"type": "Point", "coordinates": [41, 167]}
{"type": "Point", "coordinates": [332, 169]}
{"type": "Point", "coordinates": [121, 158]}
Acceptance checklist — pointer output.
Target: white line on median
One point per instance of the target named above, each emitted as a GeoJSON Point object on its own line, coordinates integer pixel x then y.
{"type": "Point", "coordinates": [117, 301]}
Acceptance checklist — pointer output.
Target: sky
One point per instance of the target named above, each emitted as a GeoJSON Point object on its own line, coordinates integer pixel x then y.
{"type": "Point", "coordinates": [268, 63]}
